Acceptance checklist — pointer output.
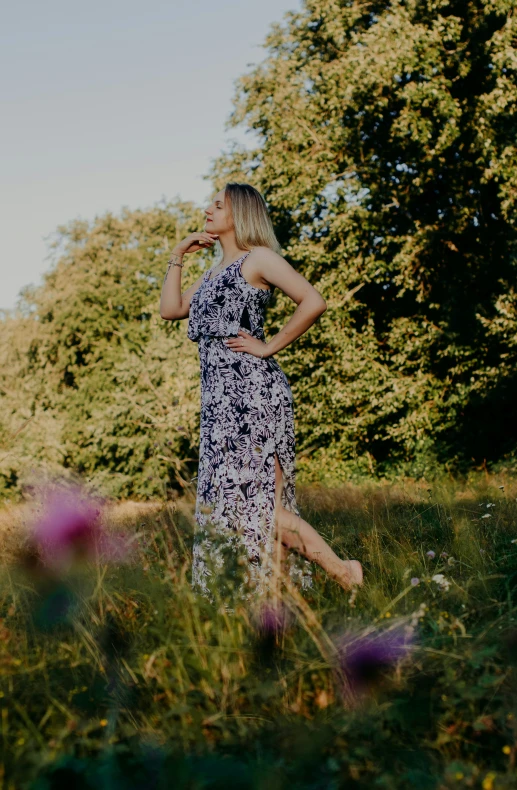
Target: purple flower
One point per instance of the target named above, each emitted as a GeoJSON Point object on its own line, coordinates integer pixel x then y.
{"type": "Point", "coordinates": [415, 580]}
{"type": "Point", "coordinates": [70, 526]}
{"type": "Point", "coordinates": [431, 554]}
{"type": "Point", "coordinates": [363, 658]}
{"type": "Point", "coordinates": [271, 619]}
{"type": "Point", "coordinates": [444, 555]}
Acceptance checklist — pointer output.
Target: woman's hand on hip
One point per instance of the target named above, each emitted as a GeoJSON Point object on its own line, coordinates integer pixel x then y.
{"type": "Point", "coordinates": [247, 343]}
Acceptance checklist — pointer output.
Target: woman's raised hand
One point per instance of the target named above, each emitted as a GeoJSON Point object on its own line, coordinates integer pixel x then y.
{"type": "Point", "coordinates": [194, 242]}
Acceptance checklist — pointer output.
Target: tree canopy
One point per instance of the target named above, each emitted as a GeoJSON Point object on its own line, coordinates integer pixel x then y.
{"type": "Point", "coordinates": [386, 150]}
{"type": "Point", "coordinates": [385, 147]}
{"type": "Point", "coordinates": [93, 379]}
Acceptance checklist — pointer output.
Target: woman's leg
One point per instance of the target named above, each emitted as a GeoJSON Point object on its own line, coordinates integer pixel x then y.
{"type": "Point", "coordinates": [295, 533]}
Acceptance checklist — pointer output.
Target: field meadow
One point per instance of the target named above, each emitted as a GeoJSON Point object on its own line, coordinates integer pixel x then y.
{"type": "Point", "coordinates": [116, 674]}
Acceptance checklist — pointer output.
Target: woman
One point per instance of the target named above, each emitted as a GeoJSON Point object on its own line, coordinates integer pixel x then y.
{"type": "Point", "coordinates": [246, 478]}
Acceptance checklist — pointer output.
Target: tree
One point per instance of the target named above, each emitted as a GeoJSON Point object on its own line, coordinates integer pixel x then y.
{"type": "Point", "coordinates": [98, 384]}
{"type": "Point", "coordinates": [386, 151]}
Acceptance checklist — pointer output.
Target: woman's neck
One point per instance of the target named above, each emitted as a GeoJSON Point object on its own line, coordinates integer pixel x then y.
{"type": "Point", "coordinates": [230, 250]}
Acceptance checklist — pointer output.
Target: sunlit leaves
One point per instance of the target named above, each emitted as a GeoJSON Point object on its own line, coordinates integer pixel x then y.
{"type": "Point", "coordinates": [388, 158]}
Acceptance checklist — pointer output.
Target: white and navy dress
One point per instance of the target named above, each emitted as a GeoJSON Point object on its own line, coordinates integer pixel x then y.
{"type": "Point", "coordinates": [246, 417]}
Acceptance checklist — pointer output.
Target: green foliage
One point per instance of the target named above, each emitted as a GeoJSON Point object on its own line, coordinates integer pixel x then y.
{"type": "Point", "coordinates": [147, 681]}
{"type": "Point", "coordinates": [93, 379]}
{"type": "Point", "coordinates": [386, 151]}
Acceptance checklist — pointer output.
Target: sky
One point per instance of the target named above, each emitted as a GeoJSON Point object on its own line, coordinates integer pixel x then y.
{"type": "Point", "coordinates": [113, 103]}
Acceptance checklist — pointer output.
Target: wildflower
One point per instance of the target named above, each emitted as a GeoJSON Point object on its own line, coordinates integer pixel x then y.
{"type": "Point", "coordinates": [444, 555]}
{"type": "Point", "coordinates": [490, 504]}
{"type": "Point", "coordinates": [501, 488]}
{"type": "Point", "coordinates": [486, 515]}
{"type": "Point", "coordinates": [271, 619]}
{"type": "Point", "coordinates": [431, 554]}
{"type": "Point", "coordinates": [363, 658]}
{"type": "Point", "coordinates": [414, 581]}
{"type": "Point", "coordinates": [441, 581]}
{"type": "Point", "coordinates": [488, 781]}
{"type": "Point", "coordinates": [507, 749]}
{"type": "Point", "coordinates": [70, 527]}
{"type": "Point", "coordinates": [514, 540]}
{"type": "Point", "coordinates": [416, 616]}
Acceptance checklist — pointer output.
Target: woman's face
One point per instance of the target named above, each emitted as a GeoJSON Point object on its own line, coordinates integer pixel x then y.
{"type": "Point", "coordinates": [218, 215]}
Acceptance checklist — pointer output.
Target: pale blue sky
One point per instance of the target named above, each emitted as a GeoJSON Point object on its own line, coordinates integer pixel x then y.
{"type": "Point", "coordinates": [108, 104]}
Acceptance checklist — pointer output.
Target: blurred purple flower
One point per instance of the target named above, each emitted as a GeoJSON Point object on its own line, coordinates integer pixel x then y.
{"type": "Point", "coordinates": [444, 555]}
{"type": "Point", "coordinates": [362, 658]}
{"type": "Point", "coordinates": [70, 526]}
{"type": "Point", "coordinates": [271, 619]}
{"type": "Point", "coordinates": [415, 580]}
{"type": "Point", "coordinates": [431, 554]}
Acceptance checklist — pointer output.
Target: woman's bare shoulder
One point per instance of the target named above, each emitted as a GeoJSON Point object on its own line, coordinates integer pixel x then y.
{"type": "Point", "coordinates": [270, 267]}
{"type": "Point", "coordinates": [265, 252]}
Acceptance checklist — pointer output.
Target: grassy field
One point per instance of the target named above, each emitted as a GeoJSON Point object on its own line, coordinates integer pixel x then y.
{"type": "Point", "coordinates": [117, 675]}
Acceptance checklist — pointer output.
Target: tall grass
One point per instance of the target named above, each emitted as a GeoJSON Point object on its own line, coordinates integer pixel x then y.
{"type": "Point", "coordinates": [121, 675]}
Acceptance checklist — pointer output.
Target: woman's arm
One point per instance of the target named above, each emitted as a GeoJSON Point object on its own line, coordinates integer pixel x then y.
{"type": "Point", "coordinates": [173, 304]}
{"type": "Point", "coordinates": [276, 271]}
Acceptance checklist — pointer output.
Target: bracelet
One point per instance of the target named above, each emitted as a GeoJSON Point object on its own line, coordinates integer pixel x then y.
{"type": "Point", "coordinates": [175, 263]}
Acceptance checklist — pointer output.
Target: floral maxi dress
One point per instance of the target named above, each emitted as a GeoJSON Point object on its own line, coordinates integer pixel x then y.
{"type": "Point", "coordinates": [246, 417]}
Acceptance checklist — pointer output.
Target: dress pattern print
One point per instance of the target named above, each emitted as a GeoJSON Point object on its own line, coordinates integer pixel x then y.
{"type": "Point", "coordinates": [246, 417]}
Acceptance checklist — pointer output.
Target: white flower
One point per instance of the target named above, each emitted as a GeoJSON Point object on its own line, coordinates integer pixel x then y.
{"type": "Point", "coordinates": [417, 615]}
{"type": "Point", "coordinates": [487, 515]}
{"type": "Point", "coordinates": [441, 581]}
{"type": "Point", "coordinates": [490, 504]}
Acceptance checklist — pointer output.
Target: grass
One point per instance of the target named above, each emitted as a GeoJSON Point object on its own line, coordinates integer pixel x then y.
{"type": "Point", "coordinates": [120, 676]}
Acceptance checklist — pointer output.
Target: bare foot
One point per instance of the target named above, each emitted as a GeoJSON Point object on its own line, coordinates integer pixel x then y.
{"type": "Point", "coordinates": [351, 575]}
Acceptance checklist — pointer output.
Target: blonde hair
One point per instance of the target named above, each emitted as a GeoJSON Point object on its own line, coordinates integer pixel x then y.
{"type": "Point", "coordinates": [251, 221]}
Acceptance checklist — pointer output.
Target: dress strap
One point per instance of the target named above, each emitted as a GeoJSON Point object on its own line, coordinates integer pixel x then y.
{"type": "Point", "coordinates": [241, 260]}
